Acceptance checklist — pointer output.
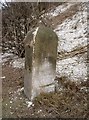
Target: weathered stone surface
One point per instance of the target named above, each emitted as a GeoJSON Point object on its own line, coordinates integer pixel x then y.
{"type": "Point", "coordinates": [40, 61]}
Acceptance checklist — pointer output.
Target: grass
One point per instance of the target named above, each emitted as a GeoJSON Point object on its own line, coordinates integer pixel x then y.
{"type": "Point", "coordinates": [70, 102]}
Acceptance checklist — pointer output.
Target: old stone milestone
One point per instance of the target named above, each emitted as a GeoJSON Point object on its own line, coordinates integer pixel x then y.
{"type": "Point", "coordinates": [40, 61]}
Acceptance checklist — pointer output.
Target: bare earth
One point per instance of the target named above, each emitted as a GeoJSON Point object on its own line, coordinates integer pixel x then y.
{"type": "Point", "coordinates": [68, 103]}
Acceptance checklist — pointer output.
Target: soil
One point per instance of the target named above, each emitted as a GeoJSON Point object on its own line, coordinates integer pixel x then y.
{"type": "Point", "coordinates": [68, 103]}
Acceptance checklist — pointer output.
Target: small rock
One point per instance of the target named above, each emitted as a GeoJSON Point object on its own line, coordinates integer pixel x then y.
{"type": "Point", "coordinates": [32, 105]}
{"type": "Point", "coordinates": [3, 77]}
{"type": "Point", "coordinates": [39, 111]}
{"type": "Point", "coordinates": [11, 113]}
{"type": "Point", "coordinates": [20, 98]}
{"type": "Point", "coordinates": [10, 92]}
{"type": "Point", "coordinates": [11, 102]}
{"type": "Point", "coordinates": [29, 103]}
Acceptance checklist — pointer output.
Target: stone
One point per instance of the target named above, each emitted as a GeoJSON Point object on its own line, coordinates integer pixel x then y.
{"type": "Point", "coordinates": [40, 61]}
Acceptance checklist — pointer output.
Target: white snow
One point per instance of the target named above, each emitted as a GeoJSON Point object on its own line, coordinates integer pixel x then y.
{"type": "Point", "coordinates": [69, 38]}
{"type": "Point", "coordinates": [72, 68]}
{"type": "Point", "coordinates": [18, 63]}
{"type": "Point", "coordinates": [4, 57]}
{"type": "Point", "coordinates": [15, 62]}
{"type": "Point", "coordinates": [72, 34]}
{"type": "Point", "coordinates": [60, 9]}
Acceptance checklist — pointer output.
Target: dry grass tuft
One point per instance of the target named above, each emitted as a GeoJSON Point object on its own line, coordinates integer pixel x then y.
{"type": "Point", "coordinates": [70, 102]}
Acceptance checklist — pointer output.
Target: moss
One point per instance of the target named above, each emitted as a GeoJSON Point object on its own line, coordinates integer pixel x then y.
{"type": "Point", "coordinates": [46, 45]}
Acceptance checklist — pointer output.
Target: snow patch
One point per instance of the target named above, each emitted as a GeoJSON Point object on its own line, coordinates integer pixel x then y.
{"type": "Point", "coordinates": [18, 63]}
{"type": "Point", "coordinates": [72, 35]}
{"type": "Point", "coordinates": [60, 9]}
{"type": "Point", "coordinates": [72, 68]}
{"type": "Point", "coordinates": [5, 57]}
{"type": "Point", "coordinates": [72, 32]}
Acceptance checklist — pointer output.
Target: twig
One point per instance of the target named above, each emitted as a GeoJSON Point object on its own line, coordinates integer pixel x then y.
{"type": "Point", "coordinates": [76, 51]}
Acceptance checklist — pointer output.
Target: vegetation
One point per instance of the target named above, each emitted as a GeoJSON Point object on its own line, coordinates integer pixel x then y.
{"type": "Point", "coordinates": [17, 20]}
